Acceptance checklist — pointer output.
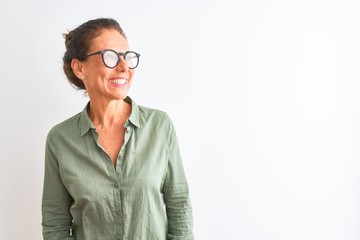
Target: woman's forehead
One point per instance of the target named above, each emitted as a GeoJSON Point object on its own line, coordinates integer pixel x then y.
{"type": "Point", "coordinates": [109, 39]}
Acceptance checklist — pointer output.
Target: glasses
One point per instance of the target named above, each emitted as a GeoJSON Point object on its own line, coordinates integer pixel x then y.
{"type": "Point", "coordinates": [111, 58]}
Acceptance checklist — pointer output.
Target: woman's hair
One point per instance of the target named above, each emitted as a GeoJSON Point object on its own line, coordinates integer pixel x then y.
{"type": "Point", "coordinates": [78, 41]}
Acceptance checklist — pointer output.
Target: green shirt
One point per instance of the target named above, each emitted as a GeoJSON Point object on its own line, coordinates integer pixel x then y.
{"type": "Point", "coordinates": [146, 197]}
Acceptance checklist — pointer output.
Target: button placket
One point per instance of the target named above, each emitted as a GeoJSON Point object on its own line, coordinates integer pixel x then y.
{"type": "Point", "coordinates": [121, 156]}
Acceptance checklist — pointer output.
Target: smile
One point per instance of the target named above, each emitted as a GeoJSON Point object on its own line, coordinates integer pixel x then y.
{"type": "Point", "coordinates": [118, 81]}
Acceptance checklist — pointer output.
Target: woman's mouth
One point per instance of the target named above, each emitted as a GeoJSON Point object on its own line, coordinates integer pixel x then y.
{"type": "Point", "coordinates": [118, 81]}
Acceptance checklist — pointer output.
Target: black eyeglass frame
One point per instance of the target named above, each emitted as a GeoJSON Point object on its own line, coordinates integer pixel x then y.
{"type": "Point", "coordinates": [102, 52]}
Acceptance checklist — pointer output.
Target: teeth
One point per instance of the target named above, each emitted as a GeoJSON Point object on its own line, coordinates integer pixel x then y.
{"type": "Point", "coordinates": [118, 81]}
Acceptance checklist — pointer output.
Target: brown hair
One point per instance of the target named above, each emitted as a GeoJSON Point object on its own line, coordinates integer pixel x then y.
{"type": "Point", "coordinates": [78, 41]}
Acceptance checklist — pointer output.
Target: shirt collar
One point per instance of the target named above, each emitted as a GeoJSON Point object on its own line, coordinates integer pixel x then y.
{"type": "Point", "coordinates": [135, 113]}
{"type": "Point", "coordinates": [86, 124]}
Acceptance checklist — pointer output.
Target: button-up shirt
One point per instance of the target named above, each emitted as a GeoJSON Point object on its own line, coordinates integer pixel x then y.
{"type": "Point", "coordinates": [145, 197]}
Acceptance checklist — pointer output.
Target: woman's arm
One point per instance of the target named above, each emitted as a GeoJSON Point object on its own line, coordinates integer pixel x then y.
{"type": "Point", "coordinates": [56, 201]}
{"type": "Point", "coordinates": [176, 195]}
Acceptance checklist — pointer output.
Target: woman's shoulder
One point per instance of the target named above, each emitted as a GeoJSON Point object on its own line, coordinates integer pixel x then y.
{"type": "Point", "coordinates": [155, 118]}
{"type": "Point", "coordinates": [152, 112]}
{"type": "Point", "coordinates": [66, 126]}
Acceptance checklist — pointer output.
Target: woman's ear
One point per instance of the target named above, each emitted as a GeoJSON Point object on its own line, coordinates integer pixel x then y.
{"type": "Point", "coordinates": [77, 68]}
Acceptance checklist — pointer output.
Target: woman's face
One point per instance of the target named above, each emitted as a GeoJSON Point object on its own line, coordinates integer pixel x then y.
{"type": "Point", "coordinates": [101, 82]}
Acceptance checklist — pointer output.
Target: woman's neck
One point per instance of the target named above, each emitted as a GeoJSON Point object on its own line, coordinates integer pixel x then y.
{"type": "Point", "coordinates": [105, 114]}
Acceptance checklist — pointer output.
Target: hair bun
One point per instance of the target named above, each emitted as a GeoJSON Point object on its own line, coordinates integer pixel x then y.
{"type": "Point", "coordinates": [68, 36]}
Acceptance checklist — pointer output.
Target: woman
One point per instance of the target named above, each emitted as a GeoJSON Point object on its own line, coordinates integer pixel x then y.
{"type": "Point", "coordinates": [114, 170]}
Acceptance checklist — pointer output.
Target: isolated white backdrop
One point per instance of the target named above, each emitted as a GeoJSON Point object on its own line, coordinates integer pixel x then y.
{"type": "Point", "coordinates": [264, 96]}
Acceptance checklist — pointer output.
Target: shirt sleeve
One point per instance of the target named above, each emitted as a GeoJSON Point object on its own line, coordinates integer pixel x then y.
{"type": "Point", "coordinates": [56, 200]}
{"type": "Point", "coordinates": [176, 195]}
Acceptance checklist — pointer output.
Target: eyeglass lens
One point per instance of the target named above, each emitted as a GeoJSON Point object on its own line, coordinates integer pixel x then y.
{"type": "Point", "coordinates": [112, 59]}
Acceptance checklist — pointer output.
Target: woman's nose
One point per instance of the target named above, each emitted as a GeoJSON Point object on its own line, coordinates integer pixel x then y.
{"type": "Point", "coordinates": [122, 66]}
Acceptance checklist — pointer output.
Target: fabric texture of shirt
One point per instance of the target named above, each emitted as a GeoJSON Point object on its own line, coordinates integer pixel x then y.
{"type": "Point", "coordinates": [146, 197]}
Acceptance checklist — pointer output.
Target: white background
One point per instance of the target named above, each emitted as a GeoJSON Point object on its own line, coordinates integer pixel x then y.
{"type": "Point", "coordinates": [264, 96]}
